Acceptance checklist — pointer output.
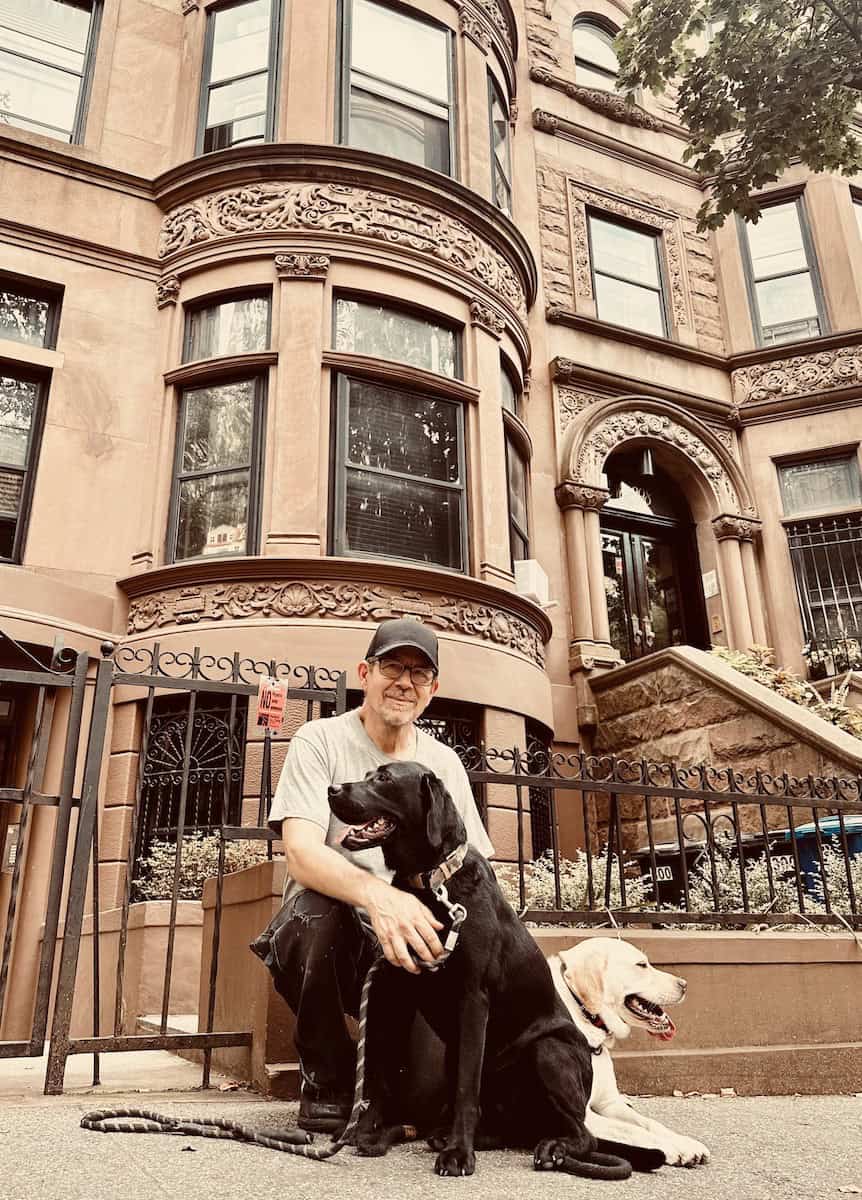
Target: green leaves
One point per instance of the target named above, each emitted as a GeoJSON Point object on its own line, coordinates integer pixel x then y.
{"type": "Point", "coordinates": [760, 86]}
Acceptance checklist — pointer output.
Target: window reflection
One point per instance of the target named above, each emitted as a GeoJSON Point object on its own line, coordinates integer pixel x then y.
{"type": "Point", "coordinates": [627, 277]}
{"type": "Point", "coordinates": [781, 276]}
{"type": "Point", "coordinates": [363, 328]}
{"type": "Point", "coordinates": [239, 326]}
{"type": "Point", "coordinates": [596, 63]}
{"type": "Point", "coordinates": [238, 83]}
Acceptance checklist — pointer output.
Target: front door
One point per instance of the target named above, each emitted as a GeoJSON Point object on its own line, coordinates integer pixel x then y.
{"type": "Point", "coordinates": [643, 591]}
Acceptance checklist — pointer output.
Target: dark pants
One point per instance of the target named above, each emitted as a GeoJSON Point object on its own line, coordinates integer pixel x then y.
{"type": "Point", "coordinates": [319, 952]}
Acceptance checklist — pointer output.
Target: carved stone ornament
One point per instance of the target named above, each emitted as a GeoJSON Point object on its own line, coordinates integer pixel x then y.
{"type": "Point", "coordinates": [581, 197]}
{"type": "Point", "coordinates": [731, 525]}
{"type": "Point", "coordinates": [619, 428]}
{"type": "Point", "coordinates": [486, 318]}
{"type": "Point", "coordinates": [580, 495]}
{"type": "Point", "coordinates": [296, 598]}
{"type": "Point", "coordinates": [799, 376]}
{"type": "Point", "coordinates": [167, 291]}
{"type": "Point", "coordinates": [571, 402]}
{"type": "Point", "coordinates": [269, 208]}
{"type": "Point", "coordinates": [494, 13]}
{"type": "Point", "coordinates": [545, 122]}
{"type": "Point", "coordinates": [189, 6]}
{"type": "Point", "coordinates": [609, 104]}
{"type": "Point", "coordinates": [302, 266]}
{"type": "Point", "coordinates": [474, 28]}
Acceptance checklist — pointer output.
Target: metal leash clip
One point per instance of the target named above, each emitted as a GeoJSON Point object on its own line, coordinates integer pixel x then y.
{"type": "Point", "coordinates": [457, 916]}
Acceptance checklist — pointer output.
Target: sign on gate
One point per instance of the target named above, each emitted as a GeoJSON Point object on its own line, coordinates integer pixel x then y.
{"type": "Point", "coordinates": [271, 699]}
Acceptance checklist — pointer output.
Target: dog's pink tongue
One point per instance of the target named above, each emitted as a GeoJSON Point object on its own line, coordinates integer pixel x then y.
{"type": "Point", "coordinates": [666, 1035]}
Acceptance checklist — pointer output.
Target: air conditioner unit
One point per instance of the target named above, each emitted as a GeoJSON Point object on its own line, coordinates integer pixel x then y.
{"type": "Point", "coordinates": [531, 581]}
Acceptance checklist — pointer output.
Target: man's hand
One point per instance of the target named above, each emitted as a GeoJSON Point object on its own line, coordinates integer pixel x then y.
{"type": "Point", "coordinates": [402, 922]}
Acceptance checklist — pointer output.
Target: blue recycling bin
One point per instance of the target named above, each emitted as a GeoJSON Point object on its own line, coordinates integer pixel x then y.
{"type": "Point", "coordinates": [830, 835]}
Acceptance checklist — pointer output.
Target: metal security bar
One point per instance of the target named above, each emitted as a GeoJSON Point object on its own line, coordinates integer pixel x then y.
{"type": "Point", "coordinates": [675, 846]}
{"type": "Point", "coordinates": [827, 569]}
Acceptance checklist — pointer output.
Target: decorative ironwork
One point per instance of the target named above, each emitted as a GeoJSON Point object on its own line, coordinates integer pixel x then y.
{"type": "Point", "coordinates": [827, 567]}
{"type": "Point", "coordinates": [193, 665]}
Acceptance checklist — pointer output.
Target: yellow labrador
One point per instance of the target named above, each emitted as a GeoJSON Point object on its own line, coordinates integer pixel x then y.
{"type": "Point", "coordinates": [610, 988]}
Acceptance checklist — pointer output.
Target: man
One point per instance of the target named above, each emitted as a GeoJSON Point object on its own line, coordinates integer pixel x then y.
{"type": "Point", "coordinates": [338, 903]}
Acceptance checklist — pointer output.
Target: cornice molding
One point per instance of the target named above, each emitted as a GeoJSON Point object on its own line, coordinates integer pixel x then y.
{"type": "Point", "coordinates": [609, 104]}
{"type": "Point", "coordinates": [208, 370]}
{"type": "Point", "coordinates": [607, 385]}
{"type": "Point", "coordinates": [396, 374]}
{"type": "Point", "coordinates": [573, 131]}
{"type": "Point", "coordinates": [69, 161]}
{"type": "Point", "coordinates": [556, 314]}
{"type": "Point", "coordinates": [332, 589]}
{"type": "Point", "coordinates": [80, 251]}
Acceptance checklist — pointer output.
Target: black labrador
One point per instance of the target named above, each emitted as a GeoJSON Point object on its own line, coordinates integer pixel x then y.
{"type": "Point", "coordinates": [512, 1051]}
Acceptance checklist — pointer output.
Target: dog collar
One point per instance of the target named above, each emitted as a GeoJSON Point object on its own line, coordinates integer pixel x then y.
{"type": "Point", "coordinates": [445, 870]}
{"type": "Point", "coordinates": [593, 1018]}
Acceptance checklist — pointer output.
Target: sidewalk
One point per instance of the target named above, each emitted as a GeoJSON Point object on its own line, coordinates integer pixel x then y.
{"type": "Point", "coordinates": [775, 1148]}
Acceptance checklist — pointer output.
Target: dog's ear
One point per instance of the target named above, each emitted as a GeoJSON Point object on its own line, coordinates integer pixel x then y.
{"type": "Point", "coordinates": [587, 973]}
{"type": "Point", "coordinates": [434, 797]}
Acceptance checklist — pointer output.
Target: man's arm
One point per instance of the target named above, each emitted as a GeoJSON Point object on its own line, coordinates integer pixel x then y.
{"type": "Point", "coordinates": [399, 920]}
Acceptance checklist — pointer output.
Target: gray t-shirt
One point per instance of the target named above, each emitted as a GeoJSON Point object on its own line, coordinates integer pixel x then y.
{"type": "Point", "coordinates": [336, 750]}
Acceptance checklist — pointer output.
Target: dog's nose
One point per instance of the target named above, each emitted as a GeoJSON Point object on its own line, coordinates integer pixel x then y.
{"type": "Point", "coordinates": [333, 790]}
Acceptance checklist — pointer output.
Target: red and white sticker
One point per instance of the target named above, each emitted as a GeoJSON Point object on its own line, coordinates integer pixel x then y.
{"type": "Point", "coordinates": [271, 699]}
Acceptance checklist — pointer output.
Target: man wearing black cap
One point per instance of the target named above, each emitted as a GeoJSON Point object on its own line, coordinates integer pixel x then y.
{"type": "Point", "coordinates": [339, 903]}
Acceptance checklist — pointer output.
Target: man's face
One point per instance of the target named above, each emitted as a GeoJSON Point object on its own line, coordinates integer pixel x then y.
{"type": "Point", "coordinates": [398, 701]}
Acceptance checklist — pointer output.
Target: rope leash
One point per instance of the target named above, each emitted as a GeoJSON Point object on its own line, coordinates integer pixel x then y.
{"type": "Point", "coordinates": [292, 1141]}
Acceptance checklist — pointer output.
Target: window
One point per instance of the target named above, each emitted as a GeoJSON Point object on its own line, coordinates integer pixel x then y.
{"type": "Point", "coordinates": [229, 326]}
{"type": "Point", "coordinates": [240, 61]}
{"type": "Point", "coordinates": [400, 475]}
{"type": "Point", "coordinates": [46, 54]}
{"type": "Point", "coordinates": [397, 93]}
{"type": "Point", "coordinates": [501, 164]}
{"type": "Point", "coordinates": [28, 314]}
{"type": "Point", "coordinates": [627, 276]}
{"type": "Point", "coordinates": [510, 393]}
{"type": "Point", "coordinates": [596, 64]}
{"type": "Point", "coordinates": [783, 283]}
{"type": "Point", "coordinates": [516, 471]}
{"type": "Point", "coordinates": [21, 415]}
{"type": "Point", "coordinates": [362, 327]}
{"type": "Point", "coordinates": [826, 553]}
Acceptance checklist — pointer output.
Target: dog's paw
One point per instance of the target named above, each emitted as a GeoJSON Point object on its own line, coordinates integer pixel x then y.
{"type": "Point", "coordinates": [550, 1154]}
{"type": "Point", "coordinates": [685, 1152]}
{"type": "Point", "coordinates": [438, 1139]}
{"type": "Point", "coordinates": [456, 1161]}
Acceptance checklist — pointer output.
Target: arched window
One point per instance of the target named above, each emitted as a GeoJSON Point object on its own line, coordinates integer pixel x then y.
{"type": "Point", "coordinates": [596, 63]}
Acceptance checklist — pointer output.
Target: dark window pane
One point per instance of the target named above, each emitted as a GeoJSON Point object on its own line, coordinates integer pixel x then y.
{"type": "Point", "coordinates": [17, 406]}
{"type": "Point", "coordinates": [386, 333]}
{"type": "Point", "coordinates": [629, 305]}
{"type": "Point", "coordinates": [615, 591]}
{"type": "Point", "coordinates": [500, 150]}
{"type": "Point", "coordinates": [231, 327]}
{"type": "Point", "coordinates": [412, 435]}
{"type": "Point", "coordinates": [517, 487]}
{"type": "Point", "coordinates": [217, 426]}
{"type": "Point", "coordinates": [819, 486]}
{"type": "Point", "coordinates": [383, 126]}
{"type": "Point", "coordinates": [240, 40]}
{"type": "Point", "coordinates": [403, 518]}
{"type": "Point", "coordinates": [519, 546]}
{"type": "Point", "coordinates": [508, 396]}
{"type": "Point", "coordinates": [23, 318]}
{"type": "Point", "coordinates": [11, 486]}
{"type": "Point", "coordinates": [213, 514]}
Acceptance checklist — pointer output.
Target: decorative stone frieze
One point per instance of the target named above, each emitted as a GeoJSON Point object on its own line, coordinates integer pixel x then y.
{"type": "Point", "coordinates": [570, 494]}
{"type": "Point", "coordinates": [494, 13]}
{"type": "Point", "coordinates": [580, 197]}
{"type": "Point", "coordinates": [473, 28]}
{"type": "Point", "coordinates": [348, 601]}
{"type": "Point", "coordinates": [609, 104]}
{"type": "Point", "coordinates": [486, 318]}
{"type": "Point", "coordinates": [731, 525]}
{"type": "Point", "coordinates": [621, 427]}
{"type": "Point", "coordinates": [571, 402]}
{"type": "Point", "coordinates": [801, 375]}
{"type": "Point", "coordinates": [167, 291]}
{"type": "Point", "coordinates": [302, 266]}
{"type": "Point", "coordinates": [345, 210]}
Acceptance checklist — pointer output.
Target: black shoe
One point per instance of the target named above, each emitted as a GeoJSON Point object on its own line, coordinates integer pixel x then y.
{"type": "Point", "coordinates": [321, 1111]}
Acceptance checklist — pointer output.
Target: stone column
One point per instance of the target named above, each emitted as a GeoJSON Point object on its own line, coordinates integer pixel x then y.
{"type": "Point", "coordinates": [753, 591]}
{"type": "Point", "coordinates": [730, 530]}
{"type": "Point", "coordinates": [295, 525]}
{"type": "Point", "coordinates": [576, 546]}
{"type": "Point", "coordinates": [598, 599]}
{"type": "Point", "coordinates": [492, 495]}
{"type": "Point", "coordinates": [581, 504]}
{"type": "Point", "coordinates": [504, 731]}
{"type": "Point", "coordinates": [475, 166]}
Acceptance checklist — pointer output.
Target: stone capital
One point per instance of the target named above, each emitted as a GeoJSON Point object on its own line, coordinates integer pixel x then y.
{"type": "Point", "coordinates": [189, 6]}
{"type": "Point", "coordinates": [731, 525]}
{"type": "Point", "coordinates": [167, 291]}
{"type": "Point", "coordinates": [473, 28]}
{"type": "Point", "coordinates": [545, 122]}
{"type": "Point", "coordinates": [487, 318]}
{"type": "Point", "coordinates": [570, 494]}
{"type": "Point", "coordinates": [302, 266]}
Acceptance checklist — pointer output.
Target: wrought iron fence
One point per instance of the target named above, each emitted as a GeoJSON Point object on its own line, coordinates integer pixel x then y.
{"type": "Point", "coordinates": [827, 568]}
{"type": "Point", "coordinates": [666, 845]}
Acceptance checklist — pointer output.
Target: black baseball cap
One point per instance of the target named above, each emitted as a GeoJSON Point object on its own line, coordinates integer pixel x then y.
{"type": "Point", "coordinates": [404, 631]}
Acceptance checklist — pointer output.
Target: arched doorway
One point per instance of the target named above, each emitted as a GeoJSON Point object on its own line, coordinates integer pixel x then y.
{"type": "Point", "coordinates": [650, 560]}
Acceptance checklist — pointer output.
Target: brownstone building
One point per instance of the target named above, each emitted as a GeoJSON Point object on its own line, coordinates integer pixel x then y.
{"type": "Point", "coordinates": [317, 311]}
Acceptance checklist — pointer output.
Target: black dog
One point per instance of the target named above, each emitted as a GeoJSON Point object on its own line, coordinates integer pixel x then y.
{"type": "Point", "coordinates": [509, 1040]}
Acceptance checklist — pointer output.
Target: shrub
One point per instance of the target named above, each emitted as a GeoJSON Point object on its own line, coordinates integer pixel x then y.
{"type": "Point", "coordinates": [574, 883]}
{"type": "Point", "coordinates": [155, 880]}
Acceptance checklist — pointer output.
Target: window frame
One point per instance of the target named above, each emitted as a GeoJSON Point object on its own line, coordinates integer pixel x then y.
{"type": "Point", "coordinates": [36, 289]}
{"type": "Point", "coordinates": [343, 49]}
{"type": "Point", "coordinates": [339, 466]}
{"type": "Point", "coordinates": [607, 30]}
{"type": "Point", "coordinates": [512, 447]}
{"type": "Point", "coordinates": [848, 452]}
{"type": "Point", "coordinates": [255, 467]}
{"type": "Point", "coordinates": [495, 92]}
{"type": "Point", "coordinates": [82, 105]}
{"type": "Point", "coordinates": [273, 86]}
{"type": "Point", "coordinates": [215, 299]}
{"type": "Point", "coordinates": [27, 374]}
{"type": "Point", "coordinates": [813, 271]}
{"type": "Point", "coordinates": [658, 245]}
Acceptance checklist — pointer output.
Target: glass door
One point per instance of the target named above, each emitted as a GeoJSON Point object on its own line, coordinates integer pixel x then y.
{"type": "Point", "coordinates": [642, 592]}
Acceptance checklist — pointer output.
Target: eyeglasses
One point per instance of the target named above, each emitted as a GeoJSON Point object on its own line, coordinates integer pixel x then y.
{"type": "Point", "coordinates": [393, 669]}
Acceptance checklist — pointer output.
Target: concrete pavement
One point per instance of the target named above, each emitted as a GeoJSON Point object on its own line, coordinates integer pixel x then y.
{"type": "Point", "coordinates": [798, 1148]}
